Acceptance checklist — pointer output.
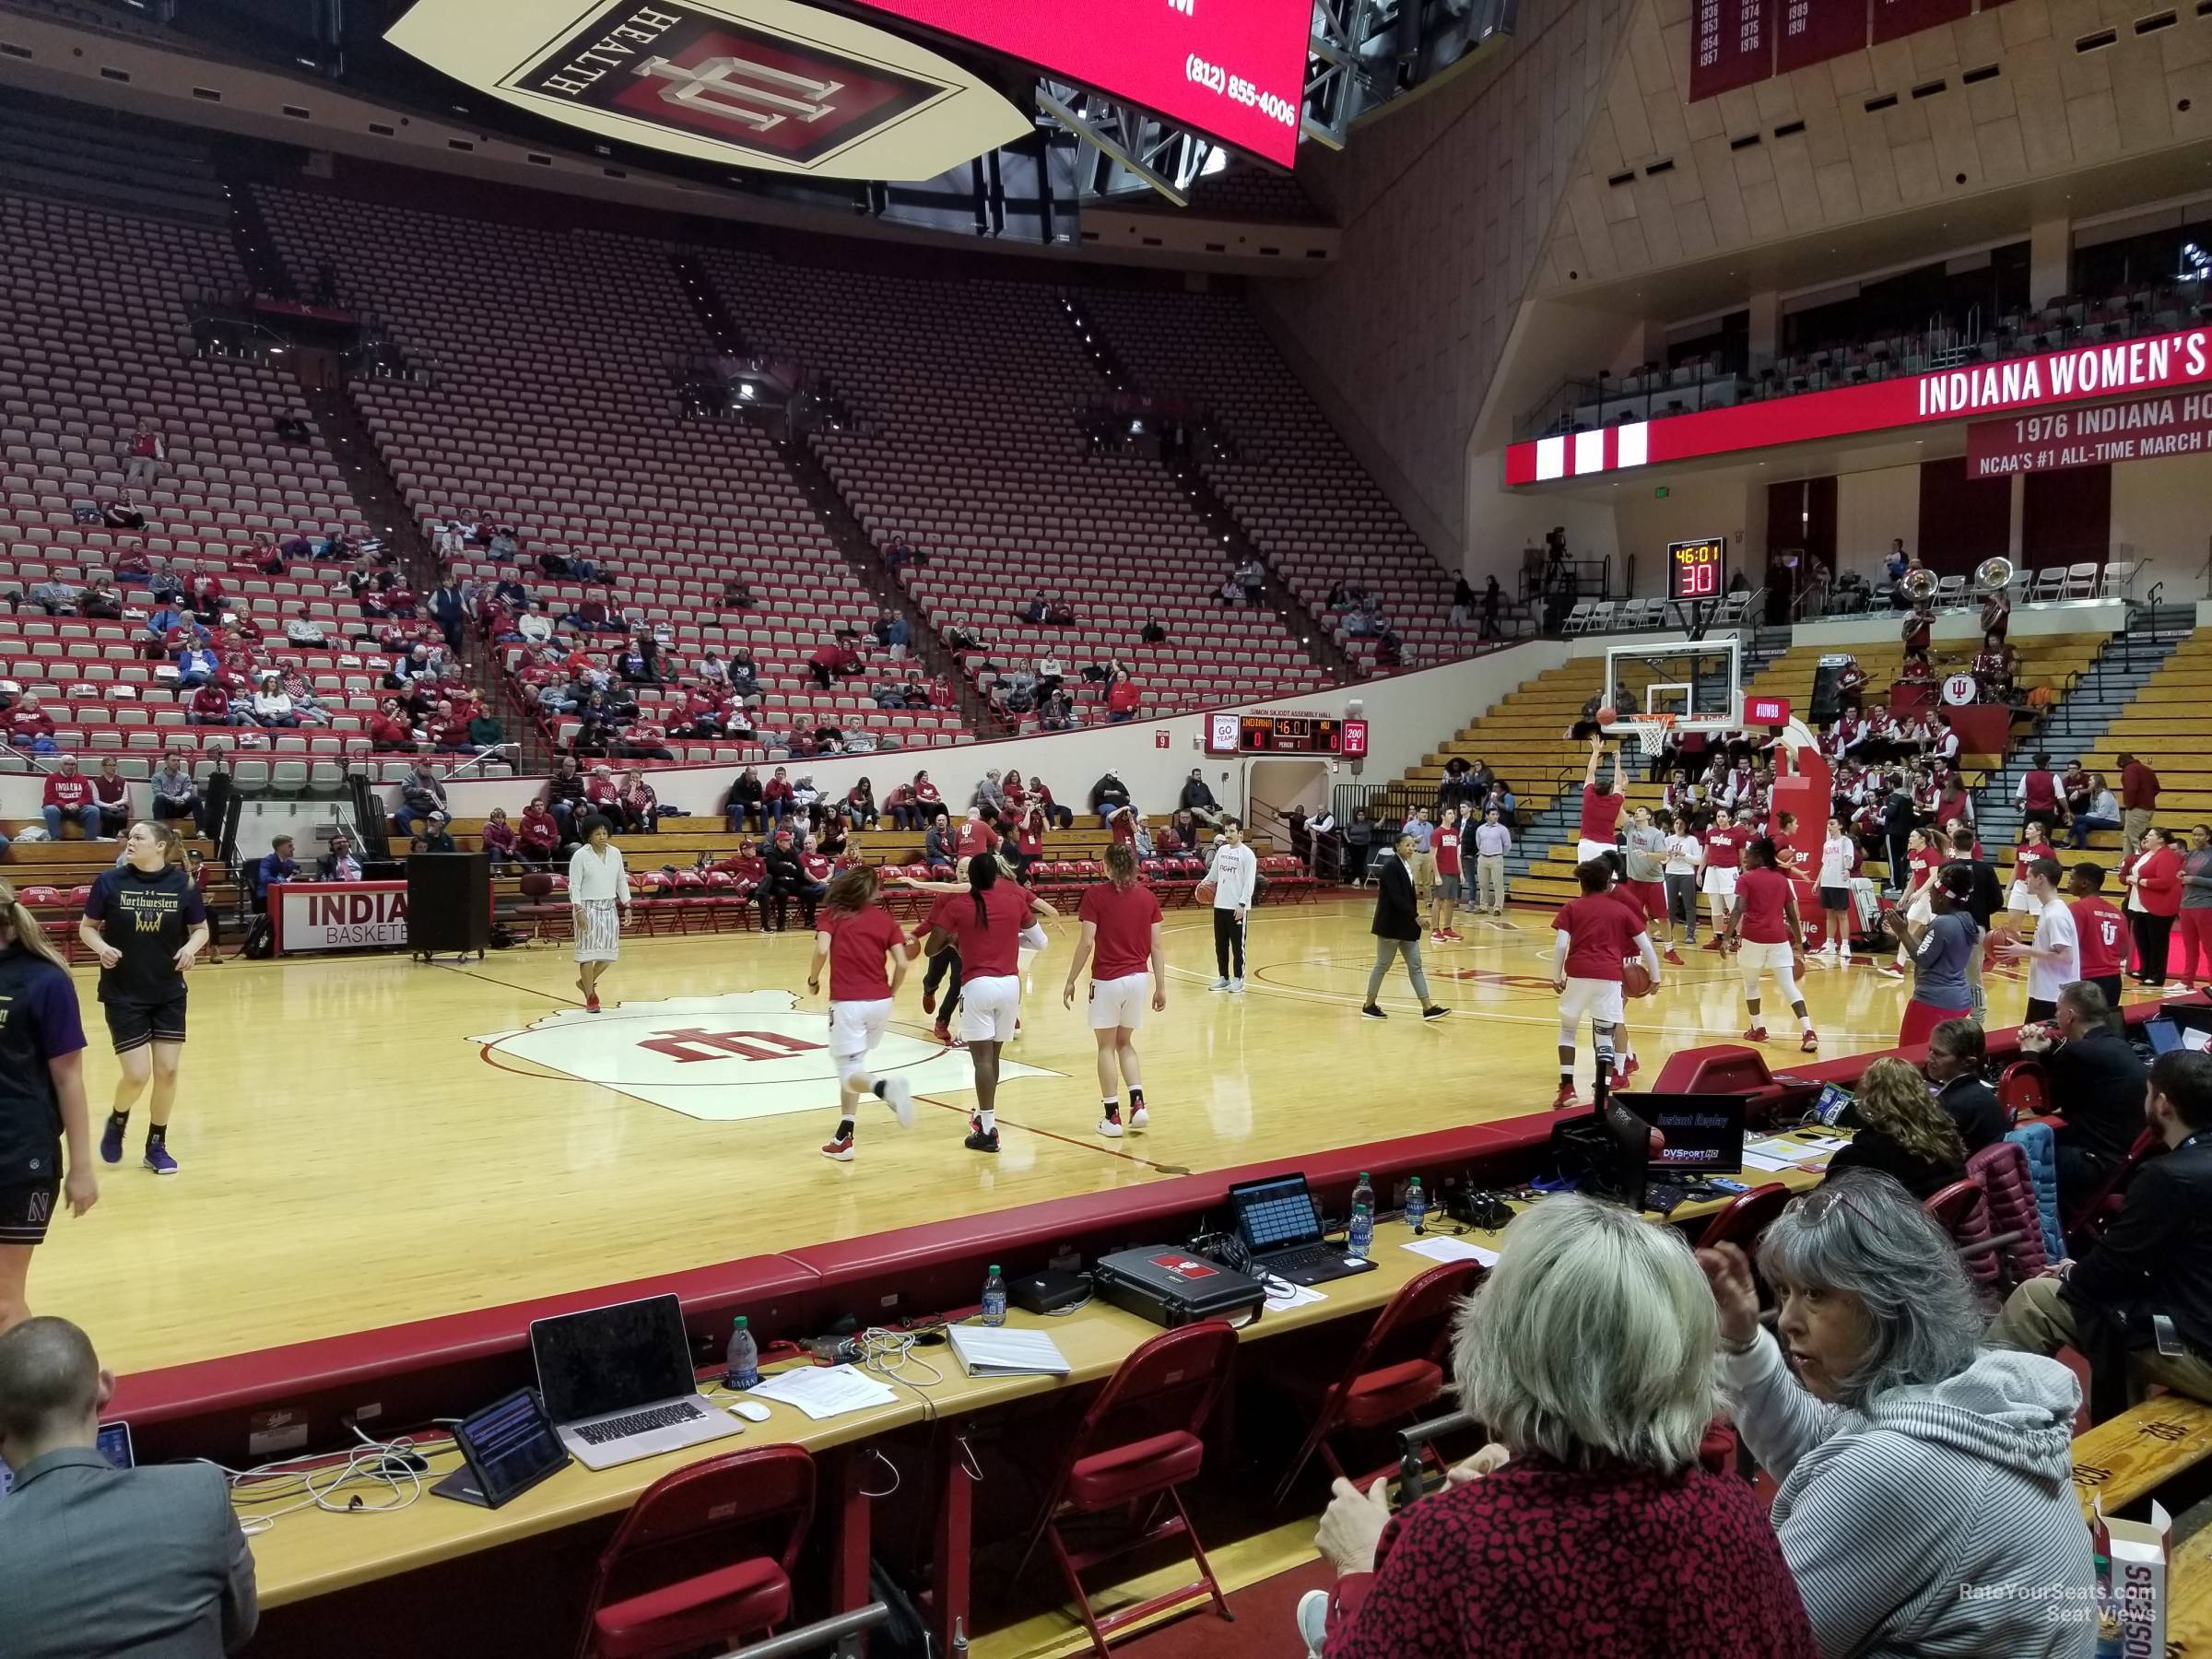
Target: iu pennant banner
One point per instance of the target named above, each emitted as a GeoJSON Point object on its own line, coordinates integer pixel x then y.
{"type": "Point", "coordinates": [1815, 30]}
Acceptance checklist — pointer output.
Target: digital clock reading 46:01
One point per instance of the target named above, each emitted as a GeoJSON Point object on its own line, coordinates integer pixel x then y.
{"type": "Point", "coordinates": [1284, 734]}
{"type": "Point", "coordinates": [1699, 569]}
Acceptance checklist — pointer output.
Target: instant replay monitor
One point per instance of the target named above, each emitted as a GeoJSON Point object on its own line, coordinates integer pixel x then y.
{"type": "Point", "coordinates": [1704, 1133]}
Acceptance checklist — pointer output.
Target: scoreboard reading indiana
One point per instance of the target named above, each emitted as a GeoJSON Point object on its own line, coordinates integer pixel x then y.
{"type": "Point", "coordinates": [1284, 734]}
{"type": "Point", "coordinates": [1697, 569]}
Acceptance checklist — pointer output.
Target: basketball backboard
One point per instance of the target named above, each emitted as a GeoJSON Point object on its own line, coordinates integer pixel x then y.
{"type": "Point", "coordinates": [1699, 682]}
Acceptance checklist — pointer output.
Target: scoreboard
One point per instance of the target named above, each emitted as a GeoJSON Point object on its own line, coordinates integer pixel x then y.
{"type": "Point", "coordinates": [1284, 734]}
{"type": "Point", "coordinates": [1699, 569]}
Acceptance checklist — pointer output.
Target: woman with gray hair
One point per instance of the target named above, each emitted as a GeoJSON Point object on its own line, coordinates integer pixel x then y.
{"type": "Point", "coordinates": [1926, 1502]}
{"type": "Point", "coordinates": [1590, 1527]}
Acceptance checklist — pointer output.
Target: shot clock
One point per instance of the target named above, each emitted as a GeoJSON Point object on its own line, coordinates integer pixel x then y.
{"type": "Point", "coordinates": [1697, 569]}
{"type": "Point", "coordinates": [1284, 734]}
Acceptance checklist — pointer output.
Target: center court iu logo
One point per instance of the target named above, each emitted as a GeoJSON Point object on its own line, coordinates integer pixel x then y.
{"type": "Point", "coordinates": [751, 1054]}
{"type": "Point", "coordinates": [696, 72]}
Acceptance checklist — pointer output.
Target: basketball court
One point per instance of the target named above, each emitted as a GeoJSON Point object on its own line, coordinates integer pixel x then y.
{"type": "Point", "coordinates": [371, 1141]}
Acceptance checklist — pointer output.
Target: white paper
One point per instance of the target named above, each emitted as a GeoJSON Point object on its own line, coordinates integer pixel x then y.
{"type": "Point", "coordinates": [1452, 1250]}
{"type": "Point", "coordinates": [826, 1391]}
{"type": "Point", "coordinates": [1007, 1351]}
{"type": "Point", "coordinates": [1291, 1296]}
{"type": "Point", "coordinates": [1759, 1160]}
{"type": "Point", "coordinates": [1792, 1151]}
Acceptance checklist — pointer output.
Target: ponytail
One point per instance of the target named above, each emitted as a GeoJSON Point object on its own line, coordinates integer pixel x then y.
{"type": "Point", "coordinates": [982, 875]}
{"type": "Point", "coordinates": [18, 927]}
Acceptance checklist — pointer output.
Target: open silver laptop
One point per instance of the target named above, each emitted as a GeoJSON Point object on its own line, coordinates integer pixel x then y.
{"type": "Point", "coordinates": [618, 1383]}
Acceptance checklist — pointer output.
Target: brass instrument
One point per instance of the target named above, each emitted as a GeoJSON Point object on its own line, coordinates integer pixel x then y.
{"type": "Point", "coordinates": [1993, 574]}
{"type": "Point", "coordinates": [1919, 586]}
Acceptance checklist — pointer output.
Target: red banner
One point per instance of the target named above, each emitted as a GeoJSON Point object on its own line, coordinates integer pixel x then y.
{"type": "Point", "coordinates": [2145, 430]}
{"type": "Point", "coordinates": [1894, 19]}
{"type": "Point", "coordinates": [2079, 374]}
{"type": "Point", "coordinates": [1731, 45]}
{"type": "Point", "coordinates": [1815, 30]}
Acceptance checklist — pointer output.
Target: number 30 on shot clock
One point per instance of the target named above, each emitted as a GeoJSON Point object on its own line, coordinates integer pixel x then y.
{"type": "Point", "coordinates": [1699, 569]}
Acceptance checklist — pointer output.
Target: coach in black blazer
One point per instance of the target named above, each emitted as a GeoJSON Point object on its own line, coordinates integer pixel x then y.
{"type": "Point", "coordinates": [1397, 930]}
{"type": "Point", "coordinates": [95, 1560]}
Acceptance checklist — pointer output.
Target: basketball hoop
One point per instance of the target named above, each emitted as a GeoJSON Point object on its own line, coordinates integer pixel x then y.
{"type": "Point", "coordinates": [1651, 731]}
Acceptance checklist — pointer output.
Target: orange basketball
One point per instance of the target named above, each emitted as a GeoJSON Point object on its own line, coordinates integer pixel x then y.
{"type": "Point", "coordinates": [1635, 978]}
{"type": "Point", "coordinates": [1607, 716]}
{"type": "Point", "coordinates": [1203, 891]}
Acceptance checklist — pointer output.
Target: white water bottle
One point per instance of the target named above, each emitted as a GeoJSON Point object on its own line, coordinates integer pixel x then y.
{"type": "Point", "coordinates": [1359, 1237]}
{"type": "Point", "coordinates": [743, 1358]}
{"type": "Point", "coordinates": [1416, 1204]}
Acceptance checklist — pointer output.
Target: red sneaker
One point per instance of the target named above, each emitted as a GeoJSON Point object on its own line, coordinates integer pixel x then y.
{"type": "Point", "coordinates": [929, 1000]}
{"type": "Point", "coordinates": [840, 1149]}
{"type": "Point", "coordinates": [1811, 1044]}
{"type": "Point", "coordinates": [1564, 1098]}
{"type": "Point", "coordinates": [1756, 1034]}
{"type": "Point", "coordinates": [1671, 957]}
{"type": "Point", "coordinates": [1630, 1066]}
{"type": "Point", "coordinates": [1451, 933]}
{"type": "Point", "coordinates": [943, 1032]}
{"type": "Point", "coordinates": [1714, 944]}
{"type": "Point", "coordinates": [591, 1003]}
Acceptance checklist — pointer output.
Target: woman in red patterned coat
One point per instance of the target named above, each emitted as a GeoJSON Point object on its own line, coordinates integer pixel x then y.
{"type": "Point", "coordinates": [1593, 1527]}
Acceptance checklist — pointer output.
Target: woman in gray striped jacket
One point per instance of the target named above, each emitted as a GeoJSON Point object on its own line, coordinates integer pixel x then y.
{"type": "Point", "coordinates": [1927, 1504]}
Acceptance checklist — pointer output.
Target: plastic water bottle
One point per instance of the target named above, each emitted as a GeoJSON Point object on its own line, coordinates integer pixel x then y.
{"type": "Point", "coordinates": [1416, 1204]}
{"type": "Point", "coordinates": [744, 1356]}
{"type": "Point", "coordinates": [1360, 1236]}
{"type": "Point", "coordinates": [994, 1297]}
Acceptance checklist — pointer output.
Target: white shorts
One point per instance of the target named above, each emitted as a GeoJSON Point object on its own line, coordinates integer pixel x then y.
{"type": "Point", "coordinates": [1755, 959]}
{"type": "Point", "coordinates": [1922, 910]}
{"type": "Point", "coordinates": [857, 1027]}
{"type": "Point", "coordinates": [2021, 899]}
{"type": "Point", "coordinates": [1584, 851]}
{"type": "Point", "coordinates": [989, 1008]}
{"type": "Point", "coordinates": [1119, 1003]}
{"type": "Point", "coordinates": [1600, 999]}
{"type": "Point", "coordinates": [1721, 881]}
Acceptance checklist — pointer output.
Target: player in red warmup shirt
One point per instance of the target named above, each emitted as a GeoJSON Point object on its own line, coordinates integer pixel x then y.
{"type": "Point", "coordinates": [1121, 940]}
{"type": "Point", "coordinates": [1723, 859]}
{"type": "Point", "coordinates": [1600, 828]}
{"type": "Point", "coordinates": [2102, 928]}
{"type": "Point", "coordinates": [1592, 936]}
{"type": "Point", "coordinates": [1771, 940]}
{"type": "Point", "coordinates": [1625, 1065]}
{"type": "Point", "coordinates": [857, 937]}
{"type": "Point", "coordinates": [988, 924]}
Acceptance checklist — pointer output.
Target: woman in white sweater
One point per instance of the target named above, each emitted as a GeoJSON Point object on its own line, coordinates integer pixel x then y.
{"type": "Point", "coordinates": [599, 896]}
{"type": "Point", "coordinates": [1926, 1503]}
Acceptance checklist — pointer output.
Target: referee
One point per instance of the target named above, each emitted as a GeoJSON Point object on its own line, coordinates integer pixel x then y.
{"type": "Point", "coordinates": [42, 1097]}
{"type": "Point", "coordinates": [146, 922]}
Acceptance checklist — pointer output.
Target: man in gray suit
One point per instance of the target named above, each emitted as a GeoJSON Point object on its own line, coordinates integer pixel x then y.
{"type": "Point", "coordinates": [148, 1562]}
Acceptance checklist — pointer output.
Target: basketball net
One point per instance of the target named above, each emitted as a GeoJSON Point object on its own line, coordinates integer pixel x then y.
{"type": "Point", "coordinates": [1651, 731]}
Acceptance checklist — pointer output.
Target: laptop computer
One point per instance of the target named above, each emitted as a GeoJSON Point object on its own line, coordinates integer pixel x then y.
{"type": "Point", "coordinates": [1281, 1228]}
{"type": "Point", "coordinates": [618, 1383]}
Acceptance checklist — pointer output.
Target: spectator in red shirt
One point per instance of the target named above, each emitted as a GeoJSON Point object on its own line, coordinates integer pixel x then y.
{"type": "Point", "coordinates": [902, 808]}
{"type": "Point", "coordinates": [605, 796]}
{"type": "Point", "coordinates": [640, 803]}
{"type": "Point", "coordinates": [111, 794]}
{"type": "Point", "coordinates": [27, 723]}
{"type": "Point", "coordinates": [1024, 844]}
{"type": "Point", "coordinates": [1059, 817]}
{"type": "Point", "coordinates": [69, 796]}
{"type": "Point", "coordinates": [775, 798]}
{"type": "Point", "coordinates": [1577, 1532]}
{"type": "Point", "coordinates": [860, 805]}
{"type": "Point", "coordinates": [2138, 799]}
{"type": "Point", "coordinates": [974, 838]}
{"type": "Point", "coordinates": [498, 839]}
{"type": "Point", "coordinates": [537, 837]}
{"type": "Point", "coordinates": [389, 732]}
{"type": "Point", "coordinates": [1121, 699]}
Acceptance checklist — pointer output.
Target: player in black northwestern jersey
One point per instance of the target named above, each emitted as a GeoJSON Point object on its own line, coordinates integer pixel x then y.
{"type": "Point", "coordinates": [146, 923]}
{"type": "Point", "coordinates": [42, 1097]}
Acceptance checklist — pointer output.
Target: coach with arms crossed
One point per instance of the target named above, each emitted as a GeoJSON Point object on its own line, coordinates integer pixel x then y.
{"type": "Point", "coordinates": [97, 1560]}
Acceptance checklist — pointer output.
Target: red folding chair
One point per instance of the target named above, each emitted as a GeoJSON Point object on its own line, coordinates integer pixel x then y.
{"type": "Point", "coordinates": [2085, 1219]}
{"type": "Point", "coordinates": [1744, 1220]}
{"type": "Point", "coordinates": [1395, 1372]}
{"type": "Point", "coordinates": [1135, 1445]}
{"type": "Point", "coordinates": [1961, 1210]}
{"type": "Point", "coordinates": [666, 1584]}
{"type": "Point", "coordinates": [2024, 1089]}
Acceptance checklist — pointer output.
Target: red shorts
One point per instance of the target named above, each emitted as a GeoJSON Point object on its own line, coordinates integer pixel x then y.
{"type": "Point", "coordinates": [1921, 1019]}
{"type": "Point", "coordinates": [1652, 895]}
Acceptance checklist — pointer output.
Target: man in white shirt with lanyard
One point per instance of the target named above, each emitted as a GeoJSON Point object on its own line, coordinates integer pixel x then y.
{"type": "Point", "coordinates": [2054, 959]}
{"type": "Point", "coordinates": [1235, 876]}
{"type": "Point", "coordinates": [1493, 841]}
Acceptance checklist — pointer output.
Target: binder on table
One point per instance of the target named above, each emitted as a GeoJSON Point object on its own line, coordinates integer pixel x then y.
{"type": "Point", "coordinates": [997, 1352]}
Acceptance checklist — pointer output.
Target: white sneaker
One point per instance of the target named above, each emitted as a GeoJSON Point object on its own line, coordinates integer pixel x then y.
{"type": "Point", "coordinates": [1236, 987]}
{"type": "Point", "coordinates": [899, 1095]}
{"type": "Point", "coordinates": [1313, 1621]}
{"type": "Point", "coordinates": [1220, 984]}
{"type": "Point", "coordinates": [1139, 1119]}
{"type": "Point", "coordinates": [1111, 1127]}
{"type": "Point", "coordinates": [1890, 970]}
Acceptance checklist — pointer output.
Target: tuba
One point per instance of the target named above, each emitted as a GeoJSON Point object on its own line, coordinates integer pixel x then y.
{"type": "Point", "coordinates": [1919, 585]}
{"type": "Point", "coordinates": [1993, 574]}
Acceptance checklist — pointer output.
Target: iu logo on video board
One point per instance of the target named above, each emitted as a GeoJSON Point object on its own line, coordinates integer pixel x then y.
{"type": "Point", "coordinates": [699, 73]}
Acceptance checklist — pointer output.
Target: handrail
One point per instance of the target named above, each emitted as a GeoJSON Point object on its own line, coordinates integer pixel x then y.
{"type": "Point", "coordinates": [32, 762]}
{"type": "Point", "coordinates": [831, 1635]}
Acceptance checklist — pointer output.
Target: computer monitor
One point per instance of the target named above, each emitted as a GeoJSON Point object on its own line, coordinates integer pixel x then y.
{"type": "Point", "coordinates": [1275, 1214]}
{"type": "Point", "coordinates": [611, 1359]}
{"type": "Point", "coordinates": [1704, 1133]}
